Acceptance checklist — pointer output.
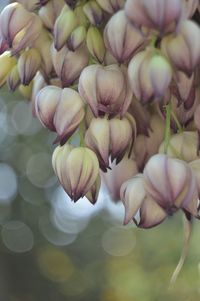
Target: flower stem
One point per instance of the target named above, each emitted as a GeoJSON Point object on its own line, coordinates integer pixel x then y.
{"type": "Point", "coordinates": [187, 223]}
{"type": "Point", "coordinates": [167, 127]}
{"type": "Point", "coordinates": [180, 129]}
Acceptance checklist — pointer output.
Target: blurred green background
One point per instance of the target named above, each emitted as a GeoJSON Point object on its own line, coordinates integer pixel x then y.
{"type": "Point", "coordinates": [52, 249]}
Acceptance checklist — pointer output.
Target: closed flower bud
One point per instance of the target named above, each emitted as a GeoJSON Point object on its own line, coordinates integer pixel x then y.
{"type": "Point", "coordinates": [183, 146]}
{"type": "Point", "coordinates": [121, 38]}
{"type": "Point", "coordinates": [95, 44]}
{"type": "Point", "coordinates": [26, 91]}
{"type": "Point", "coordinates": [105, 89]}
{"type": "Point", "coordinates": [77, 169]}
{"type": "Point", "coordinates": [76, 38]}
{"type": "Point", "coordinates": [183, 48]}
{"type": "Point", "coordinates": [19, 27]}
{"type": "Point", "coordinates": [109, 138]}
{"type": "Point", "coordinates": [50, 11]}
{"type": "Point", "coordinates": [93, 193]}
{"type": "Point", "coordinates": [117, 175]}
{"type": "Point", "coordinates": [150, 75]}
{"type": "Point", "coordinates": [136, 201]}
{"type": "Point", "coordinates": [111, 6]}
{"type": "Point", "coordinates": [80, 15]}
{"type": "Point", "coordinates": [7, 62]}
{"type": "Point", "coordinates": [13, 80]}
{"type": "Point", "coordinates": [172, 184]}
{"type": "Point", "coordinates": [93, 12]}
{"type": "Point", "coordinates": [60, 110]}
{"type": "Point", "coordinates": [64, 25]}
{"type": "Point", "coordinates": [28, 65]}
{"type": "Point", "coordinates": [154, 14]}
{"type": "Point", "coordinates": [38, 84]}
{"type": "Point", "coordinates": [69, 64]}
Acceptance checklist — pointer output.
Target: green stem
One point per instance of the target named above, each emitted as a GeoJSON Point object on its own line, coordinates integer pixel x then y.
{"type": "Point", "coordinates": [180, 129]}
{"type": "Point", "coordinates": [187, 223]}
{"type": "Point", "coordinates": [167, 127]}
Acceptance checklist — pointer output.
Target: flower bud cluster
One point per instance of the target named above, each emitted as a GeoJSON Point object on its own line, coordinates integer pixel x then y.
{"type": "Point", "coordinates": [118, 83]}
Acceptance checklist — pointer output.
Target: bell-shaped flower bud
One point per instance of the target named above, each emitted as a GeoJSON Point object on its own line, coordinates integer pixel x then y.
{"type": "Point", "coordinates": [154, 14]}
{"type": "Point", "coordinates": [182, 146]}
{"type": "Point", "coordinates": [111, 6]}
{"type": "Point", "coordinates": [28, 65]}
{"type": "Point", "coordinates": [136, 201]}
{"type": "Point", "coordinates": [81, 17]}
{"type": "Point", "coordinates": [183, 48]}
{"type": "Point", "coordinates": [43, 45]}
{"type": "Point", "coordinates": [93, 12]}
{"type": "Point", "coordinates": [13, 80]}
{"type": "Point", "coordinates": [76, 38]}
{"type": "Point", "coordinates": [60, 110]}
{"type": "Point", "coordinates": [109, 138]}
{"type": "Point", "coordinates": [69, 64]}
{"type": "Point", "coordinates": [150, 75]}
{"type": "Point", "coordinates": [121, 38]}
{"type": "Point", "coordinates": [26, 91]}
{"type": "Point", "coordinates": [64, 25]}
{"type": "Point", "coordinates": [93, 193]}
{"type": "Point", "coordinates": [19, 27]}
{"type": "Point", "coordinates": [95, 43]}
{"type": "Point", "coordinates": [171, 183]}
{"type": "Point", "coordinates": [77, 169]}
{"type": "Point", "coordinates": [38, 83]}
{"type": "Point", "coordinates": [117, 175]}
{"type": "Point", "coordinates": [105, 89]}
{"type": "Point", "coordinates": [50, 11]}
{"type": "Point", "coordinates": [7, 62]}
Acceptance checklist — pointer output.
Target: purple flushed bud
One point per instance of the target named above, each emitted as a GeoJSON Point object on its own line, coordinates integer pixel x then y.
{"type": "Point", "coordinates": [69, 64]}
{"type": "Point", "coordinates": [121, 38]}
{"type": "Point", "coordinates": [38, 83]}
{"type": "Point", "coordinates": [28, 65]}
{"type": "Point", "coordinates": [182, 146]}
{"type": "Point", "coordinates": [109, 138]}
{"type": "Point", "coordinates": [150, 75]}
{"type": "Point", "coordinates": [50, 11]}
{"type": "Point", "coordinates": [146, 146]}
{"type": "Point", "coordinates": [76, 38]}
{"type": "Point", "coordinates": [172, 184]}
{"type": "Point", "coordinates": [60, 110]}
{"type": "Point", "coordinates": [19, 27]}
{"type": "Point", "coordinates": [93, 12]}
{"type": "Point", "coordinates": [43, 45]}
{"type": "Point", "coordinates": [13, 80]}
{"type": "Point", "coordinates": [7, 63]}
{"type": "Point", "coordinates": [93, 193]}
{"type": "Point", "coordinates": [154, 14]}
{"type": "Point", "coordinates": [76, 168]}
{"type": "Point", "coordinates": [111, 6]}
{"type": "Point", "coordinates": [136, 201]}
{"type": "Point", "coordinates": [184, 89]}
{"type": "Point", "coordinates": [117, 175]}
{"type": "Point", "coordinates": [63, 27]}
{"type": "Point", "coordinates": [105, 89]}
{"type": "Point", "coordinates": [183, 47]}
{"type": "Point", "coordinates": [95, 43]}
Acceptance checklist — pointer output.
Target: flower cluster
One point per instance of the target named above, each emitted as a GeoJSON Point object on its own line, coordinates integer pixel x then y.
{"type": "Point", "coordinates": [122, 79]}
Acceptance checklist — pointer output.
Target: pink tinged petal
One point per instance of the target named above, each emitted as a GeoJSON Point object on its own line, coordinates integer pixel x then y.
{"type": "Point", "coordinates": [117, 175]}
{"type": "Point", "coordinates": [120, 137]}
{"type": "Point", "coordinates": [136, 13]}
{"type": "Point", "coordinates": [69, 113]}
{"type": "Point", "coordinates": [98, 139]}
{"type": "Point", "coordinates": [45, 105]}
{"type": "Point", "coordinates": [121, 38]}
{"type": "Point", "coordinates": [93, 193]}
{"type": "Point", "coordinates": [151, 214]}
{"type": "Point", "coordinates": [132, 194]}
{"type": "Point", "coordinates": [160, 73]}
{"type": "Point", "coordinates": [87, 87]}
